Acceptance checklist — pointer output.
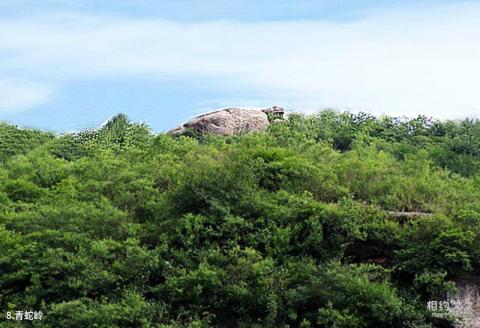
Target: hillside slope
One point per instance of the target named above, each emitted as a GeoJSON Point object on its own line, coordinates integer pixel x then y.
{"type": "Point", "coordinates": [291, 227]}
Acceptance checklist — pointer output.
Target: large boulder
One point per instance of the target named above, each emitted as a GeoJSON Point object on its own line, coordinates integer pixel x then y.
{"type": "Point", "coordinates": [230, 121]}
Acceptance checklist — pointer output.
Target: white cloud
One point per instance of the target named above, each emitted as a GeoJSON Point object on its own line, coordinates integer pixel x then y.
{"type": "Point", "coordinates": [400, 63]}
{"type": "Point", "coordinates": [21, 95]}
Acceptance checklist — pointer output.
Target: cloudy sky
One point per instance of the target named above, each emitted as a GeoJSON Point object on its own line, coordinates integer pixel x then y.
{"type": "Point", "coordinates": [67, 65]}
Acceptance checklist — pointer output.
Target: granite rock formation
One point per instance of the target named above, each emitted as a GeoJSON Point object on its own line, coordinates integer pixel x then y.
{"type": "Point", "coordinates": [230, 121]}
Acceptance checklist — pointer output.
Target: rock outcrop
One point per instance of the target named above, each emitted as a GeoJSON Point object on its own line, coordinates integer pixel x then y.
{"type": "Point", "coordinates": [230, 121]}
{"type": "Point", "coordinates": [466, 302]}
{"type": "Point", "coordinates": [407, 215]}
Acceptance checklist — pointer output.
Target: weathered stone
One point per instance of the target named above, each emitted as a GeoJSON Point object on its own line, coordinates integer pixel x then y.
{"type": "Point", "coordinates": [466, 302]}
{"type": "Point", "coordinates": [407, 215]}
{"type": "Point", "coordinates": [230, 121]}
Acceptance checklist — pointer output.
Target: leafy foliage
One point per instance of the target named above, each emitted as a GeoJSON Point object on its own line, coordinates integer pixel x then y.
{"type": "Point", "coordinates": [118, 227]}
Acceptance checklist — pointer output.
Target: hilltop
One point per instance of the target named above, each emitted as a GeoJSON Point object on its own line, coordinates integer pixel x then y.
{"type": "Point", "coordinates": [296, 225]}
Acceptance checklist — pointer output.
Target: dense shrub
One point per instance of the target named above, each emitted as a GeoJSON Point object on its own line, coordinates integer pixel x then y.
{"type": "Point", "coordinates": [117, 227]}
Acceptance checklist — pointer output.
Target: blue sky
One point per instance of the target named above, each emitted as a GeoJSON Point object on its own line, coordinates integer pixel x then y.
{"type": "Point", "coordinates": [69, 65]}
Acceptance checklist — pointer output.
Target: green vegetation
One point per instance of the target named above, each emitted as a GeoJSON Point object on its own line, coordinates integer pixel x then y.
{"type": "Point", "coordinates": [118, 227]}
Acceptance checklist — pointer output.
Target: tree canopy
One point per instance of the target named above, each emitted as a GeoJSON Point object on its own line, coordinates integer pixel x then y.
{"type": "Point", "coordinates": [120, 227]}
